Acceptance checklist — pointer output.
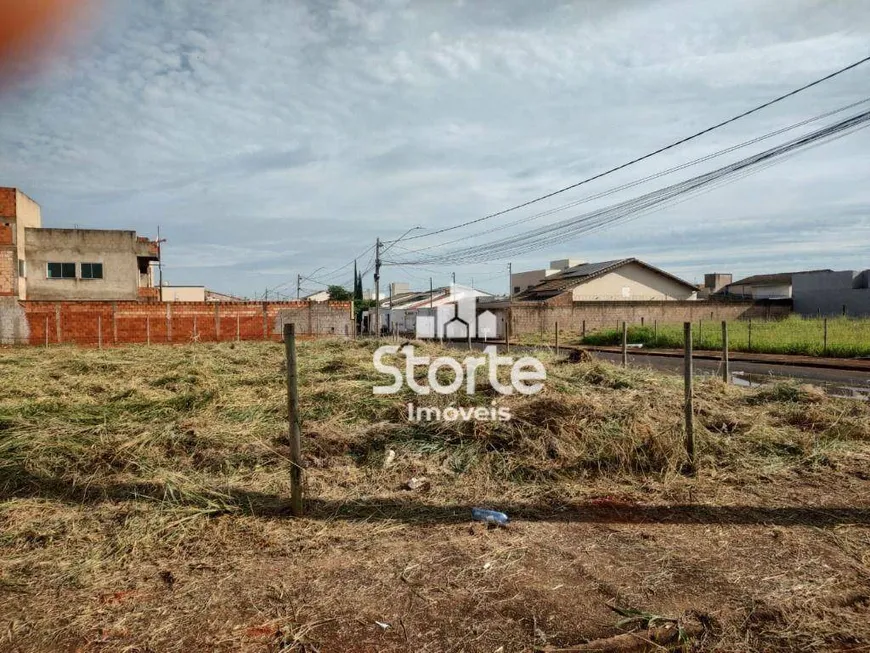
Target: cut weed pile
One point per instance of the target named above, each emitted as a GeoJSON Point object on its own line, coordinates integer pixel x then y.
{"type": "Point", "coordinates": [143, 507]}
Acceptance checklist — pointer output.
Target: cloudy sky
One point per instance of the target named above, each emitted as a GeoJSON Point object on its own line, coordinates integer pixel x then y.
{"type": "Point", "coordinates": [273, 137]}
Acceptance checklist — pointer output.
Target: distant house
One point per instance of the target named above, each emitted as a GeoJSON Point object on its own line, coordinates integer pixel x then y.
{"type": "Point", "coordinates": [762, 286]}
{"type": "Point", "coordinates": [182, 293]}
{"type": "Point", "coordinates": [402, 310]}
{"type": "Point", "coordinates": [627, 279]}
{"type": "Point", "coordinates": [832, 293]}
{"type": "Point", "coordinates": [194, 294]}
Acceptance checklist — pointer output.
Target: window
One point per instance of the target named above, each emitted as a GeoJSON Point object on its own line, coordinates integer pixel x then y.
{"type": "Point", "coordinates": [61, 270]}
{"type": "Point", "coordinates": [92, 270]}
{"type": "Point", "coordinates": [22, 269]}
{"type": "Point", "coordinates": [516, 289]}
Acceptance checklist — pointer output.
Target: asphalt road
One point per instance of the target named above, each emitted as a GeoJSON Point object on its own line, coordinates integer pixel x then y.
{"type": "Point", "coordinates": [846, 383]}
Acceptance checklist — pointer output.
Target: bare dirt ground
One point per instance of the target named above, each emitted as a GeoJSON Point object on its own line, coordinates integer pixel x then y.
{"type": "Point", "coordinates": [143, 507]}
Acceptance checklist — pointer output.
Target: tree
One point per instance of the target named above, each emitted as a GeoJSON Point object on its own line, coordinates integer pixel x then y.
{"type": "Point", "coordinates": [357, 285]}
{"type": "Point", "coordinates": [339, 294]}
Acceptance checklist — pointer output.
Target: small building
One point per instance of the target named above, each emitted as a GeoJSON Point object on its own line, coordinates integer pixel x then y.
{"type": "Point", "coordinates": [439, 305]}
{"type": "Point", "coordinates": [763, 286]}
{"type": "Point", "coordinates": [182, 293]}
{"type": "Point", "coordinates": [627, 279]}
{"type": "Point", "coordinates": [716, 281]}
{"type": "Point", "coordinates": [170, 293]}
{"type": "Point", "coordinates": [17, 212]}
{"type": "Point", "coordinates": [86, 264]}
{"type": "Point", "coordinates": [37, 263]}
{"type": "Point", "coordinates": [521, 281]}
{"type": "Point", "coordinates": [828, 292]}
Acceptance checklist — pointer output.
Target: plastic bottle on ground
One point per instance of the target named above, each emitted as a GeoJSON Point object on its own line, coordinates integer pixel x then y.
{"type": "Point", "coordinates": [489, 516]}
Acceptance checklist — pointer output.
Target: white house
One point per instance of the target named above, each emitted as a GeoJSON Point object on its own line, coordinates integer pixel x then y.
{"type": "Point", "coordinates": [434, 311]}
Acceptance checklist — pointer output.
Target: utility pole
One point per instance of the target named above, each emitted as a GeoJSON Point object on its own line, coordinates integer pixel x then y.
{"type": "Point", "coordinates": [298, 286]}
{"type": "Point", "coordinates": [160, 262]}
{"type": "Point", "coordinates": [454, 278]}
{"type": "Point", "coordinates": [507, 324]}
{"type": "Point", "coordinates": [378, 288]}
{"type": "Point", "coordinates": [431, 292]}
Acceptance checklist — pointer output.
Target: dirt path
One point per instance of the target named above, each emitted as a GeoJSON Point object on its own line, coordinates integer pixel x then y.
{"type": "Point", "coordinates": [780, 566]}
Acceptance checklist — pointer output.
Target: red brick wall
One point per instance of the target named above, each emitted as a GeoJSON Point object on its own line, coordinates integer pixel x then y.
{"type": "Point", "coordinates": [90, 323]}
{"type": "Point", "coordinates": [7, 203]}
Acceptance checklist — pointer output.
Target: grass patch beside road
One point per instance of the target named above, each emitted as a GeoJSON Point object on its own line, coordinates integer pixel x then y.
{"type": "Point", "coordinates": [847, 337]}
{"type": "Point", "coordinates": [143, 497]}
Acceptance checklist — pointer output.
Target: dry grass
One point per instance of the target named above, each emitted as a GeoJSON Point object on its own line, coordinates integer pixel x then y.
{"type": "Point", "coordinates": [143, 508]}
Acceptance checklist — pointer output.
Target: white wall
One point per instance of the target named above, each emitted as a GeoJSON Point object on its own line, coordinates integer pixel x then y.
{"type": "Point", "coordinates": [782, 291]}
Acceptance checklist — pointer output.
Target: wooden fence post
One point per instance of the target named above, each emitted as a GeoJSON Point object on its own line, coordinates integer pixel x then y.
{"type": "Point", "coordinates": [46, 330]}
{"type": "Point", "coordinates": [148, 329]}
{"type": "Point", "coordinates": [624, 344]}
{"type": "Point", "coordinates": [689, 413]}
{"type": "Point", "coordinates": [293, 421]}
{"type": "Point", "coordinates": [99, 331]}
{"type": "Point", "coordinates": [195, 334]}
{"type": "Point", "coordinates": [217, 321]}
{"type": "Point", "coordinates": [583, 332]}
{"type": "Point", "coordinates": [168, 322]}
{"type": "Point", "coordinates": [115, 322]}
{"type": "Point", "coordinates": [726, 372]}
{"type": "Point", "coordinates": [238, 327]}
{"type": "Point", "coordinates": [557, 338]}
{"type": "Point", "coordinates": [57, 326]}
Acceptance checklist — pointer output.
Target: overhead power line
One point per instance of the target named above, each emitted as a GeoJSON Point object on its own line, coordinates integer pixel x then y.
{"type": "Point", "coordinates": [630, 209]}
{"type": "Point", "coordinates": [637, 182]}
{"type": "Point", "coordinates": [653, 153]}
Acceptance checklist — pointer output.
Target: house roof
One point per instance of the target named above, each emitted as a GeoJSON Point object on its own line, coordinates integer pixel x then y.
{"type": "Point", "coordinates": [404, 299]}
{"type": "Point", "coordinates": [421, 298]}
{"type": "Point", "coordinates": [572, 277]}
{"type": "Point", "coordinates": [776, 279]}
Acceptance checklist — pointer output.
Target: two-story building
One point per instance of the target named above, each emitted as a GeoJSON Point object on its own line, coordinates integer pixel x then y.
{"type": "Point", "coordinates": [38, 263]}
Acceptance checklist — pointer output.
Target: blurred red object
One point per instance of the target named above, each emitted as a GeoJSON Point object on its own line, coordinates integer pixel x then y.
{"type": "Point", "coordinates": [31, 31]}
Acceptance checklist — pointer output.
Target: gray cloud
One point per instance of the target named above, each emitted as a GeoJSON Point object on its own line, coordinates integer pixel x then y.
{"type": "Point", "coordinates": [270, 138]}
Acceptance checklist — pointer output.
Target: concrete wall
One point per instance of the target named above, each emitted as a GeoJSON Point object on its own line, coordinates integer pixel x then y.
{"type": "Point", "coordinates": [523, 280]}
{"type": "Point", "coordinates": [315, 318]}
{"type": "Point", "coordinates": [632, 282]}
{"type": "Point", "coordinates": [537, 317]}
{"type": "Point", "coordinates": [29, 216]}
{"type": "Point", "coordinates": [116, 250]}
{"type": "Point", "coordinates": [14, 327]}
{"type": "Point", "coordinates": [831, 293]}
{"type": "Point", "coordinates": [107, 323]}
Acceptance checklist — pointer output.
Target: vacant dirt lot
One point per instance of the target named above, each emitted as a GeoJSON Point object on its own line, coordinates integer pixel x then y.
{"type": "Point", "coordinates": [143, 507]}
